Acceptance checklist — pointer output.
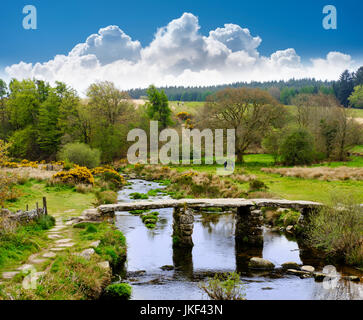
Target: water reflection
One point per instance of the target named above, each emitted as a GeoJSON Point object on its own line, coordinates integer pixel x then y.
{"type": "Point", "coordinates": [214, 250]}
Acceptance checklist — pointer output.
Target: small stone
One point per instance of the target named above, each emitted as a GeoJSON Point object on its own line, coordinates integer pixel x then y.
{"type": "Point", "coordinates": [261, 264]}
{"type": "Point", "coordinates": [289, 229]}
{"type": "Point", "coordinates": [63, 241]}
{"type": "Point", "coordinates": [10, 275]}
{"type": "Point", "coordinates": [95, 244]}
{"type": "Point", "coordinates": [54, 236]}
{"type": "Point", "coordinates": [65, 245]}
{"type": "Point", "coordinates": [57, 249]}
{"type": "Point", "coordinates": [167, 268]}
{"type": "Point", "coordinates": [49, 255]}
{"type": "Point", "coordinates": [87, 253]}
{"type": "Point", "coordinates": [290, 265]}
{"type": "Point", "coordinates": [319, 276]}
{"type": "Point", "coordinates": [352, 278]}
{"type": "Point", "coordinates": [25, 267]}
{"type": "Point", "coordinates": [104, 265]}
{"type": "Point", "coordinates": [307, 268]}
{"type": "Point", "coordinates": [297, 272]}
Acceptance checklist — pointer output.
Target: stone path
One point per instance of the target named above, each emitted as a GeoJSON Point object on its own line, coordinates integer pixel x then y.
{"type": "Point", "coordinates": [35, 260]}
{"type": "Point", "coordinates": [60, 242]}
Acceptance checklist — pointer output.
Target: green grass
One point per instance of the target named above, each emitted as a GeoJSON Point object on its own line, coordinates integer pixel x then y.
{"type": "Point", "coordinates": [59, 198]}
{"type": "Point", "coordinates": [189, 106]}
{"type": "Point", "coordinates": [289, 187]}
{"type": "Point", "coordinates": [358, 112]}
{"type": "Point", "coordinates": [17, 246]}
{"type": "Point", "coordinates": [357, 149]}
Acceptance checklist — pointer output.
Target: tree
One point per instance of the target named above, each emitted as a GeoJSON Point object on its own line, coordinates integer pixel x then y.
{"type": "Point", "coordinates": [358, 77]}
{"type": "Point", "coordinates": [158, 107]}
{"type": "Point", "coordinates": [356, 98]}
{"type": "Point", "coordinates": [49, 133]}
{"type": "Point", "coordinates": [251, 112]}
{"type": "Point", "coordinates": [108, 103]}
{"type": "Point", "coordinates": [344, 87]}
{"type": "Point", "coordinates": [297, 148]}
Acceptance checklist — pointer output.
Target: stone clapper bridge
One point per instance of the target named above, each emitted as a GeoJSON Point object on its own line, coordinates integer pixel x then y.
{"type": "Point", "coordinates": [249, 218]}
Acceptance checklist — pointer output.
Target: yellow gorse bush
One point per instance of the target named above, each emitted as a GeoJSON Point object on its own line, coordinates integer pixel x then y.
{"type": "Point", "coordinates": [109, 174]}
{"type": "Point", "coordinates": [75, 176]}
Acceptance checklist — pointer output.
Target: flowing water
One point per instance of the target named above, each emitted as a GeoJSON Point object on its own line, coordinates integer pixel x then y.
{"type": "Point", "coordinates": [214, 251]}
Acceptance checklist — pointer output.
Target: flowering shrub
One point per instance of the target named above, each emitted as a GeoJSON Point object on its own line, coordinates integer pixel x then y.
{"type": "Point", "coordinates": [109, 175]}
{"type": "Point", "coordinates": [8, 164]}
{"type": "Point", "coordinates": [183, 115]}
{"type": "Point", "coordinates": [75, 176]}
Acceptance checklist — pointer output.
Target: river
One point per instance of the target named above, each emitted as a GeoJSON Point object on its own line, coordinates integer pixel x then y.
{"type": "Point", "coordinates": [214, 251]}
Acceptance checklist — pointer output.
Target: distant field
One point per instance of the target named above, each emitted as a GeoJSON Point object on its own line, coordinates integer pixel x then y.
{"type": "Point", "coordinates": [186, 106]}
{"type": "Point", "coordinates": [291, 187]}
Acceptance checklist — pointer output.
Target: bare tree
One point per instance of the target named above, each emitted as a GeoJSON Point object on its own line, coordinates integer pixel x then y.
{"type": "Point", "coordinates": [251, 112]}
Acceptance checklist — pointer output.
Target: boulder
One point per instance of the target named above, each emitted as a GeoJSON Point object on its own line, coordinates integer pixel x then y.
{"type": "Point", "coordinates": [289, 229]}
{"type": "Point", "coordinates": [87, 253]}
{"type": "Point", "coordinates": [307, 268]}
{"type": "Point", "coordinates": [261, 264]}
{"type": "Point", "coordinates": [291, 265]}
{"type": "Point", "coordinates": [302, 274]}
{"type": "Point", "coordinates": [352, 278]}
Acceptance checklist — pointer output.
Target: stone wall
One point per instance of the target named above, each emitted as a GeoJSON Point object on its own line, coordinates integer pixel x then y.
{"type": "Point", "coordinates": [23, 217]}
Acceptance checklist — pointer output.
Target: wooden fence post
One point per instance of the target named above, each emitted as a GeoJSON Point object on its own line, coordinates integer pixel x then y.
{"type": "Point", "coordinates": [45, 209]}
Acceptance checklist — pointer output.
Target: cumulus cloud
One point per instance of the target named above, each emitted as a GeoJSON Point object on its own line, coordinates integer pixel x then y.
{"type": "Point", "coordinates": [178, 55]}
{"type": "Point", "coordinates": [109, 45]}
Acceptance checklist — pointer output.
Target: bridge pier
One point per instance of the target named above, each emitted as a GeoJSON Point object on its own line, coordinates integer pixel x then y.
{"type": "Point", "coordinates": [183, 224]}
{"type": "Point", "coordinates": [249, 227]}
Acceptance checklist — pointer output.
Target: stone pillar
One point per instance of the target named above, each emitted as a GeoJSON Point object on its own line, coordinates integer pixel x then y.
{"type": "Point", "coordinates": [249, 227]}
{"type": "Point", "coordinates": [183, 225]}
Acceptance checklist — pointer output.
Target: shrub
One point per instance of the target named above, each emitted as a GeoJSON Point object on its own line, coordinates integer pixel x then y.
{"type": "Point", "coordinates": [227, 286]}
{"type": "Point", "coordinates": [106, 197]}
{"type": "Point", "coordinates": [81, 154]}
{"type": "Point", "coordinates": [257, 185]}
{"type": "Point", "coordinates": [337, 229]}
{"type": "Point", "coordinates": [46, 222]}
{"type": "Point", "coordinates": [136, 195]}
{"type": "Point", "coordinates": [8, 192]}
{"type": "Point", "coordinates": [115, 180]}
{"type": "Point", "coordinates": [118, 291]}
{"type": "Point", "coordinates": [77, 175]}
{"type": "Point", "coordinates": [297, 148]}
{"type": "Point", "coordinates": [84, 188]}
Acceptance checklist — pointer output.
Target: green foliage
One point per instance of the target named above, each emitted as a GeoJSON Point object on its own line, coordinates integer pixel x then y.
{"type": "Point", "coordinates": [137, 195]}
{"type": "Point", "coordinates": [227, 286]}
{"type": "Point", "coordinates": [356, 98]}
{"type": "Point", "coordinates": [46, 222]}
{"type": "Point", "coordinates": [17, 242]}
{"type": "Point", "coordinates": [118, 291]}
{"type": "Point", "coordinates": [257, 185]}
{"type": "Point", "coordinates": [81, 154]}
{"type": "Point", "coordinates": [150, 219]}
{"type": "Point", "coordinates": [157, 107]}
{"type": "Point", "coordinates": [337, 229]}
{"type": "Point", "coordinates": [297, 148]}
{"type": "Point", "coordinates": [106, 197]}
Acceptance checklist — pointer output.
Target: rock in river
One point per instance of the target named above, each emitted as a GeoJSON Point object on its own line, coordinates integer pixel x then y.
{"type": "Point", "coordinates": [261, 264]}
{"type": "Point", "coordinates": [307, 268]}
{"type": "Point", "coordinates": [291, 265]}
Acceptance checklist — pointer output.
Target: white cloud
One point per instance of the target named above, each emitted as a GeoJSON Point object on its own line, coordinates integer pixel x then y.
{"type": "Point", "coordinates": [178, 55]}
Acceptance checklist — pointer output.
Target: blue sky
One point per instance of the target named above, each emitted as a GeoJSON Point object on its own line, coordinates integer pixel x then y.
{"type": "Point", "coordinates": [280, 24]}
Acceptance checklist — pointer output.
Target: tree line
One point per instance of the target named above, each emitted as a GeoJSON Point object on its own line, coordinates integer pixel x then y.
{"type": "Point", "coordinates": [283, 91]}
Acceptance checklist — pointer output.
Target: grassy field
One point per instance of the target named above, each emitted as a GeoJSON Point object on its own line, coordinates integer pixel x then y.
{"type": "Point", "coordinates": [59, 199]}
{"type": "Point", "coordinates": [290, 187]}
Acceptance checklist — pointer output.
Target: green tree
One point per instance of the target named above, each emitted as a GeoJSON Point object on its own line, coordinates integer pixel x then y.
{"type": "Point", "coordinates": [48, 131]}
{"type": "Point", "coordinates": [344, 87]}
{"type": "Point", "coordinates": [356, 98]}
{"type": "Point", "coordinates": [297, 148]}
{"type": "Point", "coordinates": [158, 107]}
